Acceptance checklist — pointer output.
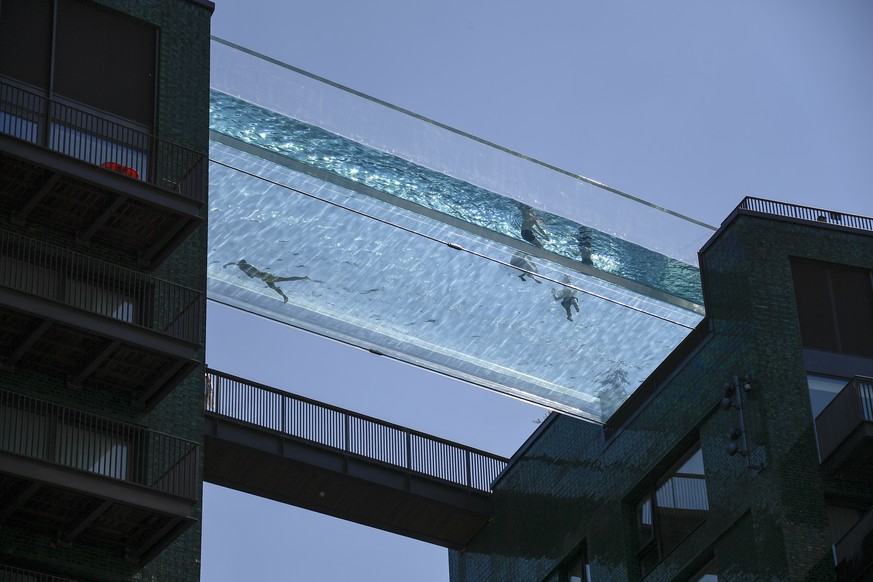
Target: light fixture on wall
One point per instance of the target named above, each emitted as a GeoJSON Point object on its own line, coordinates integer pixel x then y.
{"type": "Point", "coordinates": [733, 399]}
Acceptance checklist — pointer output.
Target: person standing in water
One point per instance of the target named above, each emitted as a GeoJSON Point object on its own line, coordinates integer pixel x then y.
{"type": "Point", "coordinates": [532, 227]}
{"type": "Point", "coordinates": [268, 278]}
{"type": "Point", "coordinates": [567, 297]}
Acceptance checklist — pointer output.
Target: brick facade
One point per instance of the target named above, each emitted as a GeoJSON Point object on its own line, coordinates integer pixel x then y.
{"type": "Point", "coordinates": [573, 485]}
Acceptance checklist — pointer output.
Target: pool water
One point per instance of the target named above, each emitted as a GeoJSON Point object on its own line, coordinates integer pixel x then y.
{"type": "Point", "coordinates": [439, 192]}
{"type": "Point", "coordinates": [296, 201]}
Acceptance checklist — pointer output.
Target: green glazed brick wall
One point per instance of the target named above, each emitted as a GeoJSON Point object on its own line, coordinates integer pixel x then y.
{"type": "Point", "coordinates": [183, 105]}
{"type": "Point", "coordinates": [571, 485]}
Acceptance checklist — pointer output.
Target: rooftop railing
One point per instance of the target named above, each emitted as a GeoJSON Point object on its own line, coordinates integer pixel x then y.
{"type": "Point", "coordinates": [99, 140]}
{"type": "Point", "coordinates": [851, 407]}
{"type": "Point", "coordinates": [806, 213]}
{"type": "Point", "coordinates": [349, 433]}
{"type": "Point", "coordinates": [101, 288]}
{"type": "Point", "coordinates": [82, 441]}
{"type": "Point", "coordinates": [12, 574]}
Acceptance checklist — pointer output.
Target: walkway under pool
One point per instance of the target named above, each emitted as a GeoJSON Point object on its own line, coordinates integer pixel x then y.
{"type": "Point", "coordinates": [364, 246]}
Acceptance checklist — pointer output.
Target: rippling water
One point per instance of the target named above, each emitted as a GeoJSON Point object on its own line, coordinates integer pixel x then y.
{"type": "Point", "coordinates": [439, 192]}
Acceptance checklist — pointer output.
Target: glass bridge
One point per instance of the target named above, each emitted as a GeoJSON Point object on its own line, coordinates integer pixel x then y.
{"type": "Point", "coordinates": [339, 214]}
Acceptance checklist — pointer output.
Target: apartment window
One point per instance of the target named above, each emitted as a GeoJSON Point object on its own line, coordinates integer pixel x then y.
{"type": "Point", "coordinates": [834, 307]}
{"type": "Point", "coordinates": [671, 510]}
{"type": "Point", "coordinates": [577, 570]}
{"type": "Point", "coordinates": [706, 574]}
{"type": "Point", "coordinates": [82, 52]}
{"type": "Point", "coordinates": [823, 389]}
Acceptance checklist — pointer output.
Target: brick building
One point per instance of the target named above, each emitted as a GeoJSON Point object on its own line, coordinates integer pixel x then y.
{"type": "Point", "coordinates": [711, 470]}
{"type": "Point", "coordinates": [103, 187]}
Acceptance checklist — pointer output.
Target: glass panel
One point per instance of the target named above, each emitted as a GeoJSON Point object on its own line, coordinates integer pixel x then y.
{"type": "Point", "coordinates": [348, 217]}
{"type": "Point", "coordinates": [645, 527]}
{"type": "Point", "coordinates": [120, 80]}
{"type": "Point", "coordinates": [823, 389]}
{"type": "Point", "coordinates": [379, 275]}
{"type": "Point", "coordinates": [681, 503]}
{"type": "Point", "coordinates": [293, 93]}
{"type": "Point", "coordinates": [707, 574]}
{"type": "Point", "coordinates": [578, 571]}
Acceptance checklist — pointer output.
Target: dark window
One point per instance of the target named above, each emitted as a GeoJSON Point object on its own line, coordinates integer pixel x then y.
{"type": "Point", "coordinates": [26, 41]}
{"type": "Point", "coordinates": [707, 574]}
{"type": "Point", "coordinates": [576, 570]}
{"type": "Point", "coordinates": [834, 307]}
{"type": "Point", "coordinates": [101, 59]}
{"type": "Point", "coordinates": [676, 506]}
{"type": "Point", "coordinates": [105, 60]}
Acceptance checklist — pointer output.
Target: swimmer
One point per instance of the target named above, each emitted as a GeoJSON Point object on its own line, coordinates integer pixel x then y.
{"type": "Point", "coordinates": [583, 238]}
{"type": "Point", "coordinates": [268, 278]}
{"type": "Point", "coordinates": [567, 297]}
{"type": "Point", "coordinates": [532, 227]}
{"type": "Point", "coordinates": [521, 261]}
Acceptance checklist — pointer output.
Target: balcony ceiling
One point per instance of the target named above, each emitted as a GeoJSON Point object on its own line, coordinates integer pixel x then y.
{"type": "Point", "coordinates": [87, 358]}
{"type": "Point", "coordinates": [90, 513]}
{"type": "Point", "coordinates": [39, 186]}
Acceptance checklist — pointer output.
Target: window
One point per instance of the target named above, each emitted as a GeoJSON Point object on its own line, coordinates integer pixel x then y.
{"type": "Point", "coordinates": [668, 513]}
{"type": "Point", "coordinates": [834, 307]}
{"type": "Point", "coordinates": [79, 79]}
{"type": "Point", "coordinates": [823, 389]}
{"type": "Point", "coordinates": [99, 58]}
{"type": "Point", "coordinates": [578, 570]}
{"type": "Point", "coordinates": [706, 574]}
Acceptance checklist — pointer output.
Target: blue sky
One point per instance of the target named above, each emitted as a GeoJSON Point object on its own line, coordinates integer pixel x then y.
{"type": "Point", "coordinates": [688, 105]}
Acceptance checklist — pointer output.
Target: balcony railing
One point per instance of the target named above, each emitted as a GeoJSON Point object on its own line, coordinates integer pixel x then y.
{"type": "Point", "coordinates": [806, 213]}
{"type": "Point", "coordinates": [98, 140]}
{"type": "Point", "coordinates": [854, 552]}
{"type": "Point", "coordinates": [11, 574]}
{"type": "Point", "coordinates": [349, 433]}
{"type": "Point", "coordinates": [101, 288]}
{"type": "Point", "coordinates": [78, 440]}
{"type": "Point", "coordinates": [848, 410]}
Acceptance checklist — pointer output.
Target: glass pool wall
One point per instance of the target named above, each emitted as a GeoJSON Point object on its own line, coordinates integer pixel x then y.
{"type": "Point", "coordinates": [398, 258]}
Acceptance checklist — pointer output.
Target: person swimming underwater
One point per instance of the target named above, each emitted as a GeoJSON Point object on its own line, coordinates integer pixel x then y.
{"type": "Point", "coordinates": [268, 278]}
{"type": "Point", "coordinates": [567, 297]}
{"type": "Point", "coordinates": [521, 260]}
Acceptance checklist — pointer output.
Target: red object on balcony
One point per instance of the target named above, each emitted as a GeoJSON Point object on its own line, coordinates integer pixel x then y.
{"type": "Point", "coordinates": [116, 167]}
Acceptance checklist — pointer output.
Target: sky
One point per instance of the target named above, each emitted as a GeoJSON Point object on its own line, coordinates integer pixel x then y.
{"type": "Point", "coordinates": [689, 105]}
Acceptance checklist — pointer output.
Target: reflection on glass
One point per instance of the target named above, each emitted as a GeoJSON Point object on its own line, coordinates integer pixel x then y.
{"type": "Point", "coordinates": [678, 506]}
{"type": "Point", "coordinates": [823, 389]}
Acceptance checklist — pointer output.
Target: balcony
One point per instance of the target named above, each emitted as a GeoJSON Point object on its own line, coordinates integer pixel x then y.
{"type": "Point", "coordinates": [92, 481]}
{"type": "Point", "coordinates": [845, 432]}
{"type": "Point", "coordinates": [96, 177]}
{"type": "Point", "coordinates": [854, 552]}
{"type": "Point", "coordinates": [93, 321]}
{"type": "Point", "coordinates": [19, 575]}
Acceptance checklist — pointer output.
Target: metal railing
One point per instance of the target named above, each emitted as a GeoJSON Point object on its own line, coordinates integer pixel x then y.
{"type": "Point", "coordinates": [12, 574]}
{"type": "Point", "coordinates": [854, 552]}
{"type": "Point", "coordinates": [806, 213]}
{"type": "Point", "coordinates": [99, 140]}
{"type": "Point", "coordinates": [851, 407]}
{"type": "Point", "coordinates": [61, 275]}
{"type": "Point", "coordinates": [79, 440]}
{"type": "Point", "coordinates": [349, 433]}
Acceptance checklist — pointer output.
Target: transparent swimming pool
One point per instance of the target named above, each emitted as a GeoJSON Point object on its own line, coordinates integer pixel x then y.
{"type": "Point", "coordinates": [415, 263]}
